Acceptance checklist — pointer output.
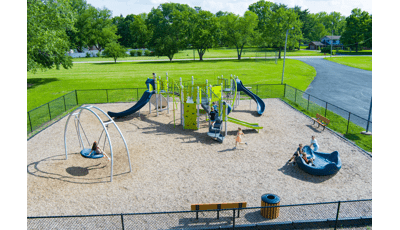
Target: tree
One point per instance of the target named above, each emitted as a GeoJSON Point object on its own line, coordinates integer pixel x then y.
{"type": "Point", "coordinates": [100, 30]}
{"type": "Point", "coordinates": [239, 31]}
{"type": "Point", "coordinates": [263, 9]}
{"type": "Point", "coordinates": [115, 50]}
{"type": "Point", "coordinates": [124, 29]}
{"type": "Point", "coordinates": [282, 20]}
{"type": "Point", "coordinates": [358, 29]}
{"type": "Point", "coordinates": [140, 34]}
{"type": "Point", "coordinates": [77, 35]}
{"type": "Point", "coordinates": [204, 31]}
{"type": "Point", "coordinates": [47, 41]}
{"type": "Point", "coordinates": [169, 24]}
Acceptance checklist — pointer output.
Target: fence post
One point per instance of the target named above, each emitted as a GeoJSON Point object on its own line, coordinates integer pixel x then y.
{"type": "Point", "coordinates": [284, 91]}
{"type": "Point", "coordinates": [348, 123]}
{"type": "Point", "coordinates": [308, 104]}
{"type": "Point", "coordinates": [65, 105]}
{"type": "Point", "coordinates": [48, 105]}
{"type": "Point", "coordinates": [107, 94]}
{"type": "Point", "coordinates": [76, 96]}
{"type": "Point", "coordinates": [295, 95]}
{"type": "Point", "coordinates": [30, 122]}
{"type": "Point", "coordinates": [337, 215]}
{"type": "Point", "coordinates": [326, 107]}
{"type": "Point", "coordinates": [122, 221]}
{"type": "Point", "coordinates": [137, 94]}
{"type": "Point", "coordinates": [234, 215]}
{"type": "Point", "coordinates": [257, 90]}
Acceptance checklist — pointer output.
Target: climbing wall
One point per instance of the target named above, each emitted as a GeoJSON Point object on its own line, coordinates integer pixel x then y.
{"type": "Point", "coordinates": [190, 116]}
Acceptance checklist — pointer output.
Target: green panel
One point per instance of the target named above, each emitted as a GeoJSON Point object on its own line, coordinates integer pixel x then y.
{"type": "Point", "coordinates": [190, 116]}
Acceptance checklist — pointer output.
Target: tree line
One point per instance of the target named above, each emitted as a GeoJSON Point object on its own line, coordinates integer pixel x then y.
{"type": "Point", "coordinates": [56, 26]}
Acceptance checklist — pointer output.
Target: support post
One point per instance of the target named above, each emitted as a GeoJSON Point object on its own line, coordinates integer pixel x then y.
{"type": "Point", "coordinates": [48, 105]}
{"type": "Point", "coordinates": [226, 119]}
{"type": "Point", "coordinates": [337, 214]}
{"type": "Point", "coordinates": [65, 105]}
{"type": "Point", "coordinates": [326, 107]}
{"type": "Point", "coordinates": [308, 103]}
{"type": "Point", "coordinates": [30, 122]}
{"type": "Point", "coordinates": [348, 123]}
{"type": "Point", "coordinates": [198, 107]}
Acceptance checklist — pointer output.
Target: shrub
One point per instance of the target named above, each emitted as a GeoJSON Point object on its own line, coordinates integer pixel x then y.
{"type": "Point", "coordinates": [147, 53]}
{"type": "Point", "coordinates": [88, 55]}
{"type": "Point", "coordinates": [98, 54]}
{"type": "Point", "coordinates": [139, 53]}
{"type": "Point", "coordinates": [133, 53]}
{"type": "Point", "coordinates": [326, 50]}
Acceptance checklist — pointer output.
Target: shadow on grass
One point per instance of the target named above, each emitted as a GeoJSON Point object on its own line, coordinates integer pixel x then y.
{"type": "Point", "coordinates": [34, 82]}
{"type": "Point", "coordinates": [352, 137]}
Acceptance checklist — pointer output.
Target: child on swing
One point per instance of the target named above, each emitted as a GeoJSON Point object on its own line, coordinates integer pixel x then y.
{"type": "Point", "coordinates": [239, 138]}
{"type": "Point", "coordinates": [97, 150]}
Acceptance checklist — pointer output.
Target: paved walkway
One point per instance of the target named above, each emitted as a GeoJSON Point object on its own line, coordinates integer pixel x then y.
{"type": "Point", "coordinates": [347, 87]}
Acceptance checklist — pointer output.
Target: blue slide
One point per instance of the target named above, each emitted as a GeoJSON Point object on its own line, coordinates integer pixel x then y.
{"type": "Point", "coordinates": [260, 102]}
{"type": "Point", "coordinates": [142, 102]}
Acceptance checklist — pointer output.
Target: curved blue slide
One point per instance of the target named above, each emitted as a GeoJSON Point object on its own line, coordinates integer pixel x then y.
{"type": "Point", "coordinates": [142, 102]}
{"type": "Point", "coordinates": [260, 102]}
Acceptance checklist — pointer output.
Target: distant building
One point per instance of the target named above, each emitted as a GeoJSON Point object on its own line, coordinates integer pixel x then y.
{"type": "Point", "coordinates": [331, 40]}
{"type": "Point", "coordinates": [315, 45]}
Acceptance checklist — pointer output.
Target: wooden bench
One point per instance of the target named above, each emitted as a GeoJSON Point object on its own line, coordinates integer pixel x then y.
{"type": "Point", "coordinates": [218, 207]}
{"type": "Point", "coordinates": [323, 121]}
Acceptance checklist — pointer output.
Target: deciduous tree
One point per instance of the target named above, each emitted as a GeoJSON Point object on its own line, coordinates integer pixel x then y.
{"type": "Point", "coordinates": [358, 29]}
{"type": "Point", "coordinates": [239, 31]}
{"type": "Point", "coordinates": [282, 20]}
{"type": "Point", "coordinates": [115, 50]}
{"type": "Point", "coordinates": [203, 31]}
{"type": "Point", "coordinates": [47, 41]}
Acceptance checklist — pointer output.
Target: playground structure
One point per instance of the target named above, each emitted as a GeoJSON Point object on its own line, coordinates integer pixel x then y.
{"type": "Point", "coordinates": [86, 152]}
{"type": "Point", "coordinates": [196, 99]}
{"type": "Point", "coordinates": [325, 163]}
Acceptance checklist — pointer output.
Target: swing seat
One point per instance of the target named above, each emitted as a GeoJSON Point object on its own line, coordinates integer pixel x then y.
{"type": "Point", "coordinates": [89, 153]}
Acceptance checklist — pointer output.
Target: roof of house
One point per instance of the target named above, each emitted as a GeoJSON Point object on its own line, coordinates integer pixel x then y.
{"type": "Point", "coordinates": [333, 37]}
{"type": "Point", "coordinates": [316, 43]}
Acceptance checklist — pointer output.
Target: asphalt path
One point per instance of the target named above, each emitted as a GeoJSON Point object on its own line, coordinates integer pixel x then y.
{"type": "Point", "coordinates": [340, 85]}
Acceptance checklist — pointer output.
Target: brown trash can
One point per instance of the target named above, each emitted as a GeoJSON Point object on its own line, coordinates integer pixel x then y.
{"type": "Point", "coordinates": [270, 200]}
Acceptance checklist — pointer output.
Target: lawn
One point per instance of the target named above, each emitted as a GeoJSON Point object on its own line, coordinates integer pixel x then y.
{"type": "Point", "coordinates": [357, 62]}
{"type": "Point", "coordinates": [49, 85]}
{"type": "Point", "coordinates": [213, 53]}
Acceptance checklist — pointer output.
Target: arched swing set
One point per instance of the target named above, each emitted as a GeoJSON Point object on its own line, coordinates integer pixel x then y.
{"type": "Point", "coordinates": [88, 152]}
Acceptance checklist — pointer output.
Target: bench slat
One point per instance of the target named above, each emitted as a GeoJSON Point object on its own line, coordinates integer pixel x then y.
{"type": "Point", "coordinates": [215, 206]}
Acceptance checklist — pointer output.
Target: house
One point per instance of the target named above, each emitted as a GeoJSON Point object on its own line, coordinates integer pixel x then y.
{"type": "Point", "coordinates": [327, 41]}
{"type": "Point", "coordinates": [315, 45]}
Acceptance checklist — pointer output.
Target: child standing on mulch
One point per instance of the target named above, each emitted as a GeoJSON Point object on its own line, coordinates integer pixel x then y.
{"type": "Point", "coordinates": [238, 138]}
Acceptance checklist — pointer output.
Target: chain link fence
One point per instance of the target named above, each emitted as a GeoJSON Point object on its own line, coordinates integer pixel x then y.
{"type": "Point", "coordinates": [342, 121]}
{"type": "Point", "coordinates": [328, 215]}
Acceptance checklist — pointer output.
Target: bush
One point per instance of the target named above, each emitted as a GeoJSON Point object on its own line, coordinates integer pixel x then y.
{"type": "Point", "coordinates": [98, 54]}
{"type": "Point", "coordinates": [133, 53]}
{"type": "Point", "coordinates": [88, 55]}
{"type": "Point", "coordinates": [139, 53]}
{"type": "Point", "coordinates": [147, 53]}
{"type": "Point", "coordinates": [326, 50]}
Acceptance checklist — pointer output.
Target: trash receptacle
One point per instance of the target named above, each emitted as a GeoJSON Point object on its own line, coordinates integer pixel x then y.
{"type": "Point", "coordinates": [270, 200]}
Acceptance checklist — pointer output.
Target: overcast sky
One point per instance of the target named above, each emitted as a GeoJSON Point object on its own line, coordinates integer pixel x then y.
{"type": "Point", "coordinates": [126, 7]}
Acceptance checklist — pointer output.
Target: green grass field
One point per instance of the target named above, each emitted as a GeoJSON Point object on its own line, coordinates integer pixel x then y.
{"type": "Point", "coordinates": [49, 85]}
{"type": "Point", "coordinates": [357, 62]}
{"type": "Point", "coordinates": [213, 53]}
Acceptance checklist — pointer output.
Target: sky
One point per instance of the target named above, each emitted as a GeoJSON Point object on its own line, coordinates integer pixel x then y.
{"type": "Point", "coordinates": [126, 7]}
